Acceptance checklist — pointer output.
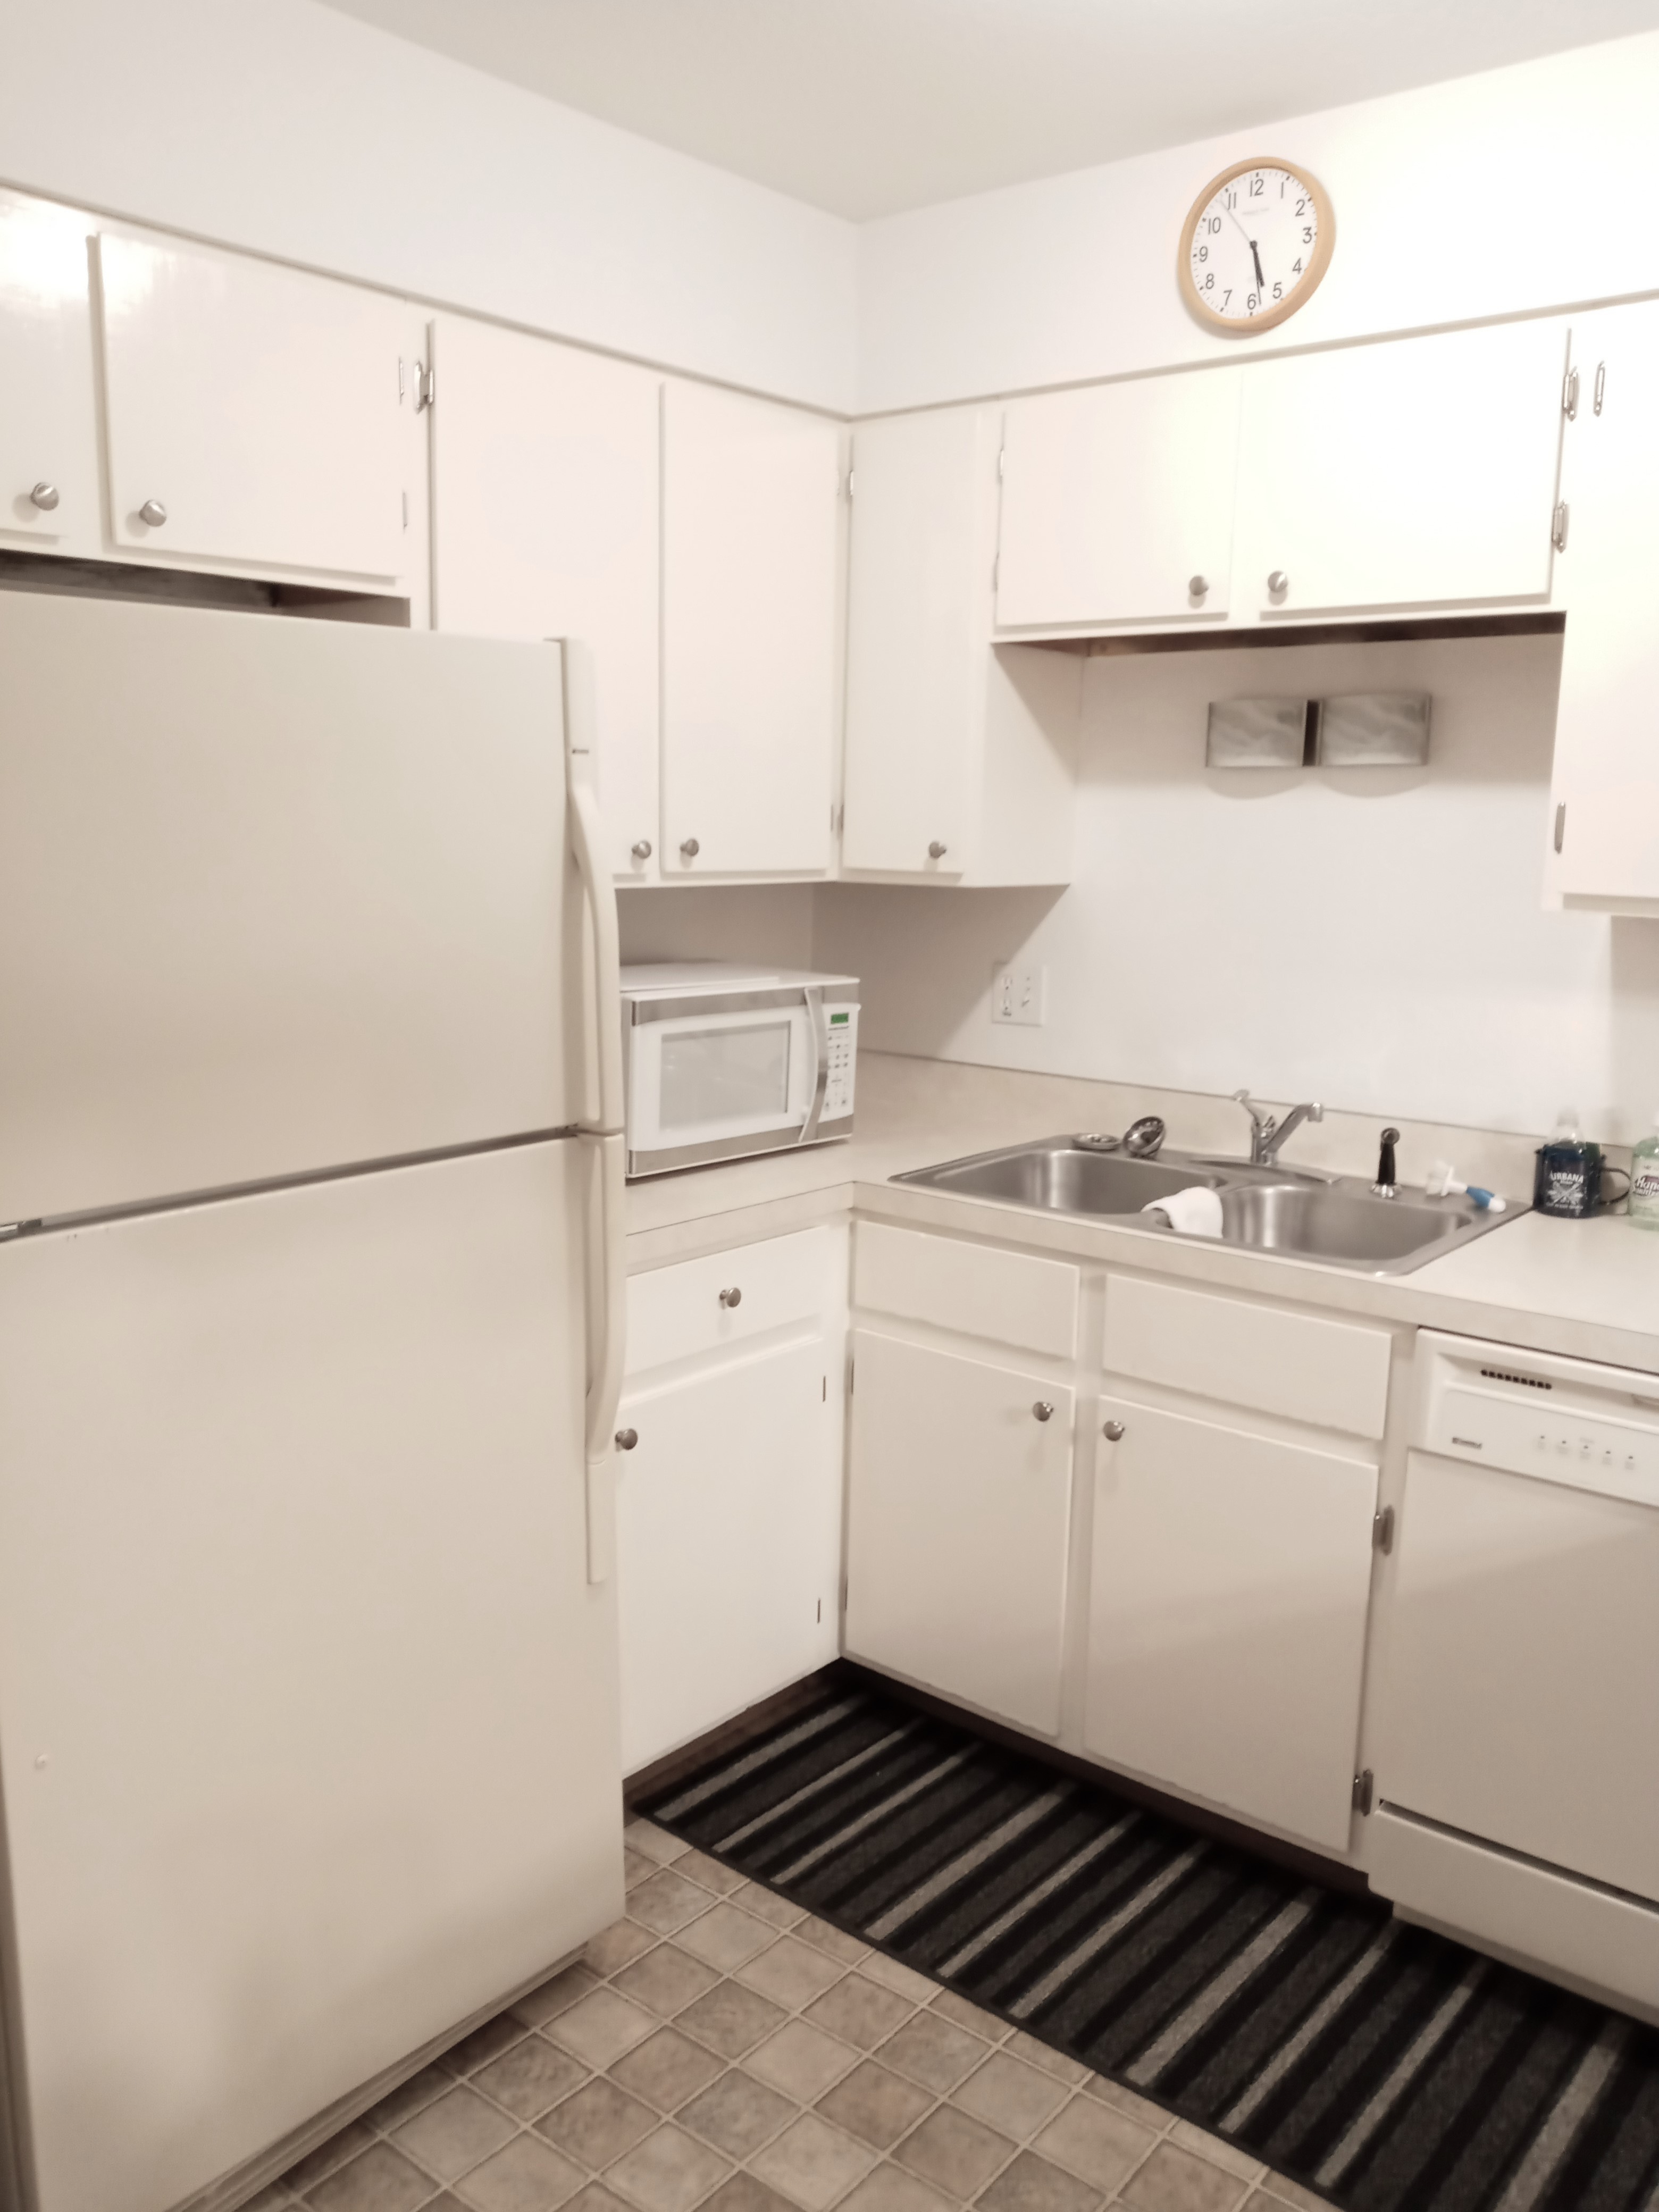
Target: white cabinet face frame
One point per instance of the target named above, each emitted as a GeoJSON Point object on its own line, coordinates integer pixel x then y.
{"type": "Point", "coordinates": [49, 483]}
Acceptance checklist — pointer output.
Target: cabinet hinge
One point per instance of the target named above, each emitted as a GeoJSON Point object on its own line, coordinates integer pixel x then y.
{"type": "Point", "coordinates": [1383, 1529]}
{"type": "Point", "coordinates": [852, 1369]}
{"type": "Point", "coordinates": [1569, 395]}
{"type": "Point", "coordinates": [1560, 825]}
{"type": "Point", "coordinates": [1364, 1785]}
{"type": "Point", "coordinates": [996, 568]}
{"type": "Point", "coordinates": [1001, 456]}
{"type": "Point", "coordinates": [843, 1593]}
{"type": "Point", "coordinates": [425, 383]}
{"type": "Point", "coordinates": [1601, 386]}
{"type": "Point", "coordinates": [852, 478]}
{"type": "Point", "coordinates": [1558, 527]}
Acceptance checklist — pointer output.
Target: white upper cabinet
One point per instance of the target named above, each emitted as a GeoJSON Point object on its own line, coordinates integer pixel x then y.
{"type": "Point", "coordinates": [253, 414]}
{"type": "Point", "coordinates": [48, 424]}
{"type": "Point", "coordinates": [751, 526]}
{"type": "Point", "coordinates": [1419, 473]}
{"type": "Point", "coordinates": [1604, 814]}
{"type": "Point", "coordinates": [1117, 504]}
{"type": "Point", "coordinates": [545, 507]}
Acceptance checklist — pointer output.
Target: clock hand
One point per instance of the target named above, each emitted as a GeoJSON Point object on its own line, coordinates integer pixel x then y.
{"type": "Point", "coordinates": [1261, 281]}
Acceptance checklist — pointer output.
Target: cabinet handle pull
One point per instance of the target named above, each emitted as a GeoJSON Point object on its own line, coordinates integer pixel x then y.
{"type": "Point", "coordinates": [732, 1297]}
{"type": "Point", "coordinates": [44, 495]}
{"type": "Point", "coordinates": [152, 512]}
{"type": "Point", "coordinates": [936, 851]}
{"type": "Point", "coordinates": [1043, 1410]}
{"type": "Point", "coordinates": [1112, 1432]}
{"type": "Point", "coordinates": [1197, 587]}
{"type": "Point", "coordinates": [1279, 583]}
{"type": "Point", "coordinates": [626, 1438]}
{"type": "Point", "coordinates": [691, 848]}
{"type": "Point", "coordinates": [641, 848]}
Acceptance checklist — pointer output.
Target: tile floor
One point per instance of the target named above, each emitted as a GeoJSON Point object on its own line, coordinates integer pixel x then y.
{"type": "Point", "coordinates": [720, 2049]}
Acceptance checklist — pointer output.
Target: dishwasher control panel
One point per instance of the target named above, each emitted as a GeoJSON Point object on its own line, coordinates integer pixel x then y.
{"type": "Point", "coordinates": [1565, 1420]}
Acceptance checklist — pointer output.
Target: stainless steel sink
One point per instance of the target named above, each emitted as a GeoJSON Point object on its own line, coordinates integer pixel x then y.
{"type": "Point", "coordinates": [1305, 1214]}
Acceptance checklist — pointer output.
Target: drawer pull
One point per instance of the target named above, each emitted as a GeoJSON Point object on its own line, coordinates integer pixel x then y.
{"type": "Point", "coordinates": [44, 497]}
{"type": "Point", "coordinates": [626, 1438]}
{"type": "Point", "coordinates": [1112, 1432]}
{"type": "Point", "coordinates": [732, 1297]}
{"type": "Point", "coordinates": [152, 512]}
{"type": "Point", "coordinates": [1043, 1410]}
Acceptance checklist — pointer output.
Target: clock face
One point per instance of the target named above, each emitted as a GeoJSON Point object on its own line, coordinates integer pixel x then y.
{"type": "Point", "coordinates": [1254, 246]}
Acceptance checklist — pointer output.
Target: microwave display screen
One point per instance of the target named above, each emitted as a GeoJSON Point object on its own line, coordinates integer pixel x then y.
{"type": "Point", "coordinates": [739, 1074]}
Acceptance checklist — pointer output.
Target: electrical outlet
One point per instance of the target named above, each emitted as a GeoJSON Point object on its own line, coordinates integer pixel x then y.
{"type": "Point", "coordinates": [1019, 993]}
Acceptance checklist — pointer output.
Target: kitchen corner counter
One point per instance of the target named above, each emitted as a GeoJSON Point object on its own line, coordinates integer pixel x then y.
{"type": "Point", "coordinates": [1588, 1290]}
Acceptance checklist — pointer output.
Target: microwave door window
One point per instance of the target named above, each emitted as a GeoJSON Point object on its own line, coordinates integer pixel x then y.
{"type": "Point", "coordinates": [731, 1075]}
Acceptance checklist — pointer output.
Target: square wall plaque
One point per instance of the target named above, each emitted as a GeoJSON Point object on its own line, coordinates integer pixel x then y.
{"type": "Point", "coordinates": [1256, 733]}
{"type": "Point", "coordinates": [1375, 729]}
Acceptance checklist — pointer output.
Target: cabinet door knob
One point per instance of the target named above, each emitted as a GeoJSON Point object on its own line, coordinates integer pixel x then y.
{"type": "Point", "coordinates": [44, 495]}
{"type": "Point", "coordinates": [1043, 1410]}
{"type": "Point", "coordinates": [1112, 1432]}
{"type": "Point", "coordinates": [691, 848]}
{"type": "Point", "coordinates": [1277, 582]}
{"type": "Point", "coordinates": [936, 851]}
{"type": "Point", "coordinates": [626, 1438]}
{"type": "Point", "coordinates": [1197, 587]}
{"type": "Point", "coordinates": [641, 848]}
{"type": "Point", "coordinates": [152, 512]}
{"type": "Point", "coordinates": [732, 1297]}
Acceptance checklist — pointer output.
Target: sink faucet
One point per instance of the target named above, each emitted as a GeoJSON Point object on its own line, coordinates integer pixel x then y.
{"type": "Point", "coordinates": [1266, 1135]}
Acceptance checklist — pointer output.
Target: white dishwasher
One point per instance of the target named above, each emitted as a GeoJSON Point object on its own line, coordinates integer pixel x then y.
{"type": "Point", "coordinates": [1517, 1744]}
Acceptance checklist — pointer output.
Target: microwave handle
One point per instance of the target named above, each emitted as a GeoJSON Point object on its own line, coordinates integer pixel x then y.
{"type": "Point", "coordinates": [820, 1035]}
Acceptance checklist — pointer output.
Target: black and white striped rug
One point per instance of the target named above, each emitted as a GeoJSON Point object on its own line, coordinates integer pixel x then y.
{"type": "Point", "coordinates": [1388, 2069]}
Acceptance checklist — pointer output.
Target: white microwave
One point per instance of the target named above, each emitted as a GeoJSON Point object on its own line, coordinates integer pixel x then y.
{"type": "Point", "coordinates": [721, 1060]}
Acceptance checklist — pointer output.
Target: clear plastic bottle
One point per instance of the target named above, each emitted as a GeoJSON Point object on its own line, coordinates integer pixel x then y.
{"type": "Point", "coordinates": [1644, 1181]}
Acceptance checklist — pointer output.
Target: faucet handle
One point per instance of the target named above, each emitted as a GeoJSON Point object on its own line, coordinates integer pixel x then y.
{"type": "Point", "coordinates": [1259, 1120]}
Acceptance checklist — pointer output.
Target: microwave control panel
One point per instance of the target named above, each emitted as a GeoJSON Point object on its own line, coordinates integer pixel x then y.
{"type": "Point", "coordinates": [842, 1023]}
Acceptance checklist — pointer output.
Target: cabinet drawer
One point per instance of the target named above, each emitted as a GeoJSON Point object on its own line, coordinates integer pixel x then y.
{"type": "Point", "coordinates": [677, 1312]}
{"type": "Point", "coordinates": [1008, 1296]}
{"type": "Point", "coordinates": [1332, 1373]}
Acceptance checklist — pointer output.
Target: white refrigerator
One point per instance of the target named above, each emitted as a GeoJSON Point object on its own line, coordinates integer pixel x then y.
{"type": "Point", "coordinates": [310, 1299]}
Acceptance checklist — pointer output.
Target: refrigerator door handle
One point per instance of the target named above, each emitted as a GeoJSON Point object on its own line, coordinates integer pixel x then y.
{"type": "Point", "coordinates": [587, 842]}
{"type": "Point", "coordinates": [608, 1305]}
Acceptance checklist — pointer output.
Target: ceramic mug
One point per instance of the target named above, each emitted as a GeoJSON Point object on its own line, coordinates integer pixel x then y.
{"type": "Point", "coordinates": [1569, 1181]}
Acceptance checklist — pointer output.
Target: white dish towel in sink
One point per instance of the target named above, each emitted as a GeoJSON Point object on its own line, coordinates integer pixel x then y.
{"type": "Point", "coordinates": [1194, 1212]}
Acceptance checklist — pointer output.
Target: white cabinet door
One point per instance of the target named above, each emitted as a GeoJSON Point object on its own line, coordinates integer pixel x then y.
{"type": "Point", "coordinates": [1229, 1585]}
{"type": "Point", "coordinates": [750, 522]}
{"type": "Point", "coordinates": [728, 1542]}
{"type": "Point", "coordinates": [1604, 819]}
{"type": "Point", "coordinates": [917, 583]}
{"type": "Point", "coordinates": [1419, 472]}
{"type": "Point", "coordinates": [958, 1513]}
{"type": "Point", "coordinates": [48, 417]}
{"type": "Point", "coordinates": [258, 408]}
{"type": "Point", "coordinates": [1117, 503]}
{"type": "Point", "coordinates": [545, 523]}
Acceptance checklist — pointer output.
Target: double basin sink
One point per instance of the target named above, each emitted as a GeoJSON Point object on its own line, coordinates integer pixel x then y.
{"type": "Point", "coordinates": [1335, 1219]}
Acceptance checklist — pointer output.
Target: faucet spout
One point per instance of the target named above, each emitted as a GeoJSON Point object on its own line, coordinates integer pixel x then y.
{"type": "Point", "coordinates": [1266, 1134]}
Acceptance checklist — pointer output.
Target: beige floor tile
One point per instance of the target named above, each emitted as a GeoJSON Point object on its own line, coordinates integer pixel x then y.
{"type": "Point", "coordinates": [963, 2013]}
{"type": "Point", "coordinates": [890, 2189]}
{"type": "Point", "coordinates": [598, 2123]}
{"type": "Point", "coordinates": [1009, 2095]}
{"type": "Point", "coordinates": [596, 2197]}
{"type": "Point", "coordinates": [839, 1945]}
{"type": "Point", "coordinates": [652, 1842]}
{"type": "Point", "coordinates": [743, 2193]}
{"type": "Point", "coordinates": [710, 1873]}
{"type": "Point", "coordinates": [1031, 2184]}
{"type": "Point", "coordinates": [454, 2134]}
{"type": "Point", "coordinates": [381, 2180]}
{"type": "Point", "coordinates": [767, 1904]}
{"type": "Point", "coordinates": [1095, 2141]}
{"type": "Point", "coordinates": [556, 1995]}
{"type": "Point", "coordinates": [801, 2060]}
{"type": "Point", "coordinates": [1037, 2053]}
{"type": "Point", "coordinates": [812, 2164]}
{"type": "Point", "coordinates": [860, 2011]}
{"type": "Point", "coordinates": [738, 2114]}
{"type": "Point", "coordinates": [726, 1937]}
{"type": "Point", "coordinates": [526, 2175]}
{"type": "Point", "coordinates": [616, 1946]}
{"type": "Point", "coordinates": [599, 2027]}
{"type": "Point", "coordinates": [1126, 2100]}
{"type": "Point", "coordinates": [666, 1981]}
{"type": "Point", "coordinates": [667, 1901]}
{"type": "Point", "coordinates": [790, 1972]}
{"type": "Point", "coordinates": [1173, 2180]}
{"type": "Point", "coordinates": [731, 2018]}
{"type": "Point", "coordinates": [484, 2043]}
{"type": "Point", "coordinates": [1283, 2191]}
{"type": "Point", "coordinates": [420, 2089]}
{"type": "Point", "coordinates": [957, 2153]}
{"type": "Point", "coordinates": [874, 2105]}
{"type": "Point", "coordinates": [1223, 2155]}
{"type": "Point", "coordinates": [636, 1867]}
{"type": "Point", "coordinates": [933, 2051]}
{"type": "Point", "coordinates": [354, 2137]}
{"type": "Point", "coordinates": [666, 2068]}
{"type": "Point", "coordinates": [893, 1975]}
{"type": "Point", "coordinates": [668, 2171]}
{"type": "Point", "coordinates": [529, 2077]}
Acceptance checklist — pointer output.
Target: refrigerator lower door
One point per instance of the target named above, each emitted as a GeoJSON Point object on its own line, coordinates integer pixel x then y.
{"type": "Point", "coordinates": [308, 1712]}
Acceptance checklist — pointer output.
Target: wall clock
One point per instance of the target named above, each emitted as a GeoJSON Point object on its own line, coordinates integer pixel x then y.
{"type": "Point", "coordinates": [1254, 247]}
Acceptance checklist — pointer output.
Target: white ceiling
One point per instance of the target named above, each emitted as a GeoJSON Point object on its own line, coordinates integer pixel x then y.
{"type": "Point", "coordinates": [867, 107]}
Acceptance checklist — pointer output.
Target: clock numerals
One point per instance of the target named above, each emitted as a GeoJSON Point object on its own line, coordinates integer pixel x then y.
{"type": "Point", "coordinates": [1253, 244]}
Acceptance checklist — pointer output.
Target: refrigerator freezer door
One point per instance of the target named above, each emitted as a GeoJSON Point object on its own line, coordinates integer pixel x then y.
{"type": "Point", "coordinates": [279, 896]}
{"type": "Point", "coordinates": [308, 1724]}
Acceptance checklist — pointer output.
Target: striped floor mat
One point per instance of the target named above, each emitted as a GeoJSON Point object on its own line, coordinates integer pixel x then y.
{"type": "Point", "coordinates": [1388, 2069]}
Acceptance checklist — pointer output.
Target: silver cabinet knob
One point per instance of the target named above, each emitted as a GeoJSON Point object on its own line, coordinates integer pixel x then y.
{"type": "Point", "coordinates": [732, 1297]}
{"type": "Point", "coordinates": [626, 1438]}
{"type": "Point", "coordinates": [936, 851]}
{"type": "Point", "coordinates": [1197, 587]}
{"type": "Point", "coordinates": [641, 848]}
{"type": "Point", "coordinates": [691, 848]}
{"type": "Point", "coordinates": [1277, 582]}
{"type": "Point", "coordinates": [44, 495]}
{"type": "Point", "coordinates": [1112, 1432]}
{"type": "Point", "coordinates": [1043, 1410]}
{"type": "Point", "coordinates": [152, 512]}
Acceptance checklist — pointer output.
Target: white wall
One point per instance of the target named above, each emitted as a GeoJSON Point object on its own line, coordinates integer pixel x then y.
{"type": "Point", "coordinates": [1371, 938]}
{"type": "Point", "coordinates": [288, 130]}
{"type": "Point", "coordinates": [766, 924]}
{"type": "Point", "coordinates": [1493, 195]}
